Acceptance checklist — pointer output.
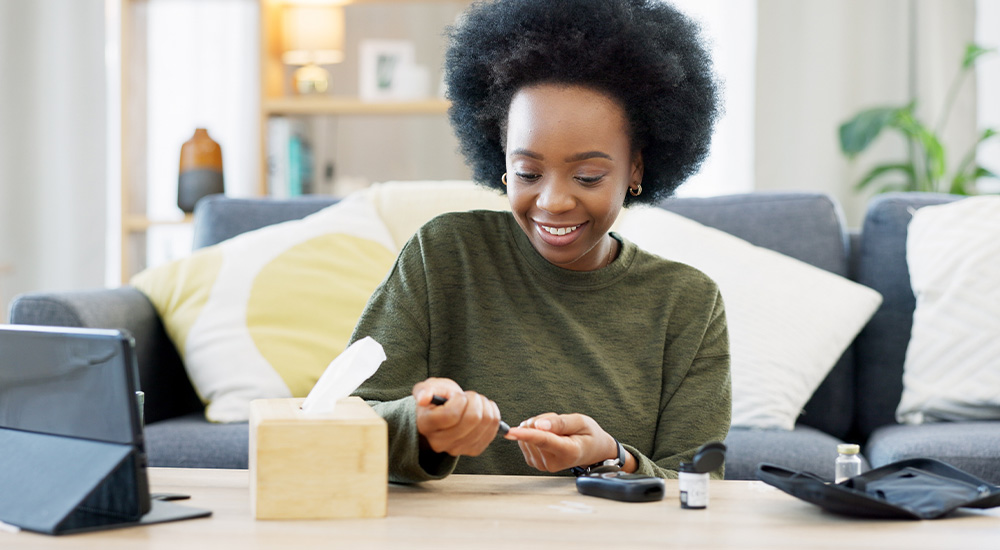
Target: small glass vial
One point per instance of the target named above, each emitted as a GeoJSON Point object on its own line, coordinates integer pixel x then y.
{"type": "Point", "coordinates": [693, 487]}
{"type": "Point", "coordinates": [848, 462]}
{"type": "Point", "coordinates": [140, 398]}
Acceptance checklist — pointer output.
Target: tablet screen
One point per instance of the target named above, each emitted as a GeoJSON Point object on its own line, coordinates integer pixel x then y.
{"type": "Point", "coordinates": [71, 382]}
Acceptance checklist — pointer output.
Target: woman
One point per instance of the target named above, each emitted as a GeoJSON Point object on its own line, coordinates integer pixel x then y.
{"type": "Point", "coordinates": [607, 353]}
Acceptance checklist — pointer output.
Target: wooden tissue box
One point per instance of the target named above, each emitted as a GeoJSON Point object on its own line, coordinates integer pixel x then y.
{"type": "Point", "coordinates": [317, 466]}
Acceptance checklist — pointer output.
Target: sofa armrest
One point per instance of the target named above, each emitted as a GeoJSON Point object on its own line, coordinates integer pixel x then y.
{"type": "Point", "coordinates": [161, 372]}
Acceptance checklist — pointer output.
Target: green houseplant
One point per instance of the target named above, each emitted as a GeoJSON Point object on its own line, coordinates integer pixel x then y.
{"type": "Point", "coordinates": [925, 169]}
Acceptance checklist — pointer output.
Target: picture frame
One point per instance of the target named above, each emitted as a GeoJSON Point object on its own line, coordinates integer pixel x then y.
{"type": "Point", "coordinates": [388, 70]}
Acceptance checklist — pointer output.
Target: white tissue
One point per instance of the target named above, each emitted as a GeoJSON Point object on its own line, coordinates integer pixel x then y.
{"type": "Point", "coordinates": [9, 528]}
{"type": "Point", "coordinates": [344, 374]}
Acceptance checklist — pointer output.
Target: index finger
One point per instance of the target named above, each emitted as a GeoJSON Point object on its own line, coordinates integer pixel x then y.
{"type": "Point", "coordinates": [562, 424]}
{"type": "Point", "coordinates": [533, 436]}
{"type": "Point", "coordinates": [425, 391]}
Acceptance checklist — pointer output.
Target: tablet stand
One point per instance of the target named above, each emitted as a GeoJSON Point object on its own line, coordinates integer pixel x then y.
{"type": "Point", "coordinates": [56, 485]}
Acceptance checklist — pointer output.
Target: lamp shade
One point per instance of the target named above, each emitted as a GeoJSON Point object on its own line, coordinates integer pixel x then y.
{"type": "Point", "coordinates": [312, 33]}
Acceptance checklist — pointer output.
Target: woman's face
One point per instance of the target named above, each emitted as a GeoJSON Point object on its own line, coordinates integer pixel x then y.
{"type": "Point", "coordinates": [569, 165]}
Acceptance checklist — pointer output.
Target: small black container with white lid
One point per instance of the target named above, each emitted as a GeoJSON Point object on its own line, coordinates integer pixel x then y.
{"type": "Point", "coordinates": [693, 476]}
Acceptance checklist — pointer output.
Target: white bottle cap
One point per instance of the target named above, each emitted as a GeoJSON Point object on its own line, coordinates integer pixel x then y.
{"type": "Point", "coordinates": [848, 449]}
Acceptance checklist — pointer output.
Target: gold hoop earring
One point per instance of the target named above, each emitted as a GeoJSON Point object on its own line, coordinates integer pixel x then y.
{"type": "Point", "coordinates": [636, 192]}
{"type": "Point", "coordinates": [503, 178]}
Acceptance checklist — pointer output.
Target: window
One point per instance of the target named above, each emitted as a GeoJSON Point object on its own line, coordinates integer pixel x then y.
{"type": "Point", "coordinates": [202, 73]}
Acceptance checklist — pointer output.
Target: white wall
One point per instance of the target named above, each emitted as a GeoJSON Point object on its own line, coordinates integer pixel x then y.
{"type": "Point", "coordinates": [988, 86]}
{"type": "Point", "coordinates": [730, 27]}
{"type": "Point", "coordinates": [52, 145]}
{"type": "Point", "coordinates": [819, 62]}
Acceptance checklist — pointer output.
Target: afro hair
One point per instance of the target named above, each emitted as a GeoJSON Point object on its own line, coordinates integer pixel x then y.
{"type": "Point", "coordinates": [645, 54]}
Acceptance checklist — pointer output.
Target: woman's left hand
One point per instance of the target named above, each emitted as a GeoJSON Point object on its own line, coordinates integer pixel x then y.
{"type": "Point", "coordinates": [553, 442]}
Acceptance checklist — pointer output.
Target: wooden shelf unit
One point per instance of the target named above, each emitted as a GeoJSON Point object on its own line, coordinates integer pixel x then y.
{"type": "Point", "coordinates": [350, 106]}
{"type": "Point", "coordinates": [277, 100]}
{"type": "Point", "coordinates": [138, 222]}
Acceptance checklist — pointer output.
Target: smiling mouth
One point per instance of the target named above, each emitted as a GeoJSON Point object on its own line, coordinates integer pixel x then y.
{"type": "Point", "coordinates": [559, 231]}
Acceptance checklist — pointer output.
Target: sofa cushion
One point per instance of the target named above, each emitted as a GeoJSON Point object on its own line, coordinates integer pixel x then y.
{"type": "Point", "coordinates": [190, 441]}
{"type": "Point", "coordinates": [193, 442]}
{"type": "Point", "coordinates": [970, 446]}
{"type": "Point", "coordinates": [263, 314]}
{"type": "Point", "coordinates": [952, 366]}
{"type": "Point", "coordinates": [802, 449]}
{"type": "Point", "coordinates": [880, 349]}
{"type": "Point", "coordinates": [805, 226]}
{"type": "Point", "coordinates": [161, 373]}
{"type": "Point", "coordinates": [218, 218]}
{"type": "Point", "coordinates": [789, 321]}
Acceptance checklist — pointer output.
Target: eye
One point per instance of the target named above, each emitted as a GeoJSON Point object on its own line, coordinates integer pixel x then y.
{"type": "Point", "coordinates": [528, 177]}
{"type": "Point", "coordinates": [590, 180]}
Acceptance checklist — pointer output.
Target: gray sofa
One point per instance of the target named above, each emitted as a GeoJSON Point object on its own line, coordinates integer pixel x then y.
{"type": "Point", "coordinates": [855, 403]}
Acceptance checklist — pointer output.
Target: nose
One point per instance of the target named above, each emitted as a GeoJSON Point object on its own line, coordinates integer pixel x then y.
{"type": "Point", "coordinates": [555, 197]}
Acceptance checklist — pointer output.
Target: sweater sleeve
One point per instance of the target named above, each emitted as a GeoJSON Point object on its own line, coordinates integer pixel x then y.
{"type": "Point", "coordinates": [396, 317]}
{"type": "Point", "coordinates": [699, 409]}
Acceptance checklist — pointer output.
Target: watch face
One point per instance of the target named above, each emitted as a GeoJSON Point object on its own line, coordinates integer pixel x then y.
{"type": "Point", "coordinates": [606, 468]}
{"type": "Point", "coordinates": [624, 476]}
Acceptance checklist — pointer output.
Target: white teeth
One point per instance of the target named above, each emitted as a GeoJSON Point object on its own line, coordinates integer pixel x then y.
{"type": "Point", "coordinates": [560, 230]}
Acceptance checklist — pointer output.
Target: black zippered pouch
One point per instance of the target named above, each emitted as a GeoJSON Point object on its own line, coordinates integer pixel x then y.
{"type": "Point", "coordinates": [917, 488]}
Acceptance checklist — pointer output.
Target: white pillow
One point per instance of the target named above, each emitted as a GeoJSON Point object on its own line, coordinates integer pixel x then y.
{"type": "Point", "coordinates": [952, 366]}
{"type": "Point", "coordinates": [261, 315]}
{"type": "Point", "coordinates": [405, 206]}
{"type": "Point", "coordinates": [789, 322]}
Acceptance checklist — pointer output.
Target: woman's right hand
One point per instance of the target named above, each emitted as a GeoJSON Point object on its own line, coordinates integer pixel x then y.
{"type": "Point", "coordinates": [465, 425]}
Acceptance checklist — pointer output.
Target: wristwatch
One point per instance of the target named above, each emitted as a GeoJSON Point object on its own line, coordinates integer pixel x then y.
{"type": "Point", "coordinates": [609, 465]}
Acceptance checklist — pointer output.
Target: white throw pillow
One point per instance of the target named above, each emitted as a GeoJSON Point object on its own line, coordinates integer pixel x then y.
{"type": "Point", "coordinates": [789, 322]}
{"type": "Point", "coordinates": [405, 206]}
{"type": "Point", "coordinates": [952, 366]}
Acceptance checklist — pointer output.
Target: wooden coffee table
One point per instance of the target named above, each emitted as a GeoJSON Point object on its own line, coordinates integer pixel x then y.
{"type": "Point", "coordinates": [472, 512]}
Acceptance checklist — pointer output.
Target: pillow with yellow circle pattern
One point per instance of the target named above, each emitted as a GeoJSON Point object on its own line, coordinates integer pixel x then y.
{"type": "Point", "coordinates": [261, 315]}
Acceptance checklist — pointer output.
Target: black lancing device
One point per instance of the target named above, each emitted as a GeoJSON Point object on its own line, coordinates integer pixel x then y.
{"type": "Point", "coordinates": [438, 400]}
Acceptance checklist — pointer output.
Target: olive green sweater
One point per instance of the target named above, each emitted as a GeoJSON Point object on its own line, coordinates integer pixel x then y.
{"type": "Point", "coordinates": [641, 345]}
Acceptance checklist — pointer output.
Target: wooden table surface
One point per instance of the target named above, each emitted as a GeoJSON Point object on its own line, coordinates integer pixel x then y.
{"type": "Point", "coordinates": [526, 512]}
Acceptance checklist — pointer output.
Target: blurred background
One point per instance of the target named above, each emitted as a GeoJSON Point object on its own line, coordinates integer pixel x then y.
{"type": "Point", "coordinates": [97, 98]}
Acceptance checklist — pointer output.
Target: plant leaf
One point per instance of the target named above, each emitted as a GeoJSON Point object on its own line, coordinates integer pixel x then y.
{"type": "Point", "coordinates": [934, 155]}
{"type": "Point", "coordinates": [856, 134]}
{"type": "Point", "coordinates": [981, 172]}
{"type": "Point", "coordinates": [959, 185]}
{"type": "Point", "coordinates": [882, 169]}
{"type": "Point", "coordinates": [972, 52]}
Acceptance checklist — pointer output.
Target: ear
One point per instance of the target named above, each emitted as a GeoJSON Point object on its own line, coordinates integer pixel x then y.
{"type": "Point", "coordinates": [637, 167]}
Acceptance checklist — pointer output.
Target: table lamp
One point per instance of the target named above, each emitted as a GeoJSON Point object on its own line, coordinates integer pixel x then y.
{"type": "Point", "coordinates": [313, 35]}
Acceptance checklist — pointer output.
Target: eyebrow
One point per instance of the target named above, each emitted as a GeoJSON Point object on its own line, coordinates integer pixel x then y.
{"type": "Point", "coordinates": [572, 158]}
{"type": "Point", "coordinates": [587, 155]}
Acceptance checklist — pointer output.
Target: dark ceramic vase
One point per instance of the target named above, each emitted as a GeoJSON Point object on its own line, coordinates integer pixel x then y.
{"type": "Point", "coordinates": [200, 170]}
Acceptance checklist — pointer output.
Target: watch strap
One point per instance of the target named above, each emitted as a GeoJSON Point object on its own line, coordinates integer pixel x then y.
{"type": "Point", "coordinates": [609, 465]}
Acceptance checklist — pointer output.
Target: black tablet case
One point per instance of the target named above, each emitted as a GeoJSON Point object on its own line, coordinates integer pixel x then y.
{"type": "Point", "coordinates": [58, 484]}
{"type": "Point", "coordinates": [917, 488]}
